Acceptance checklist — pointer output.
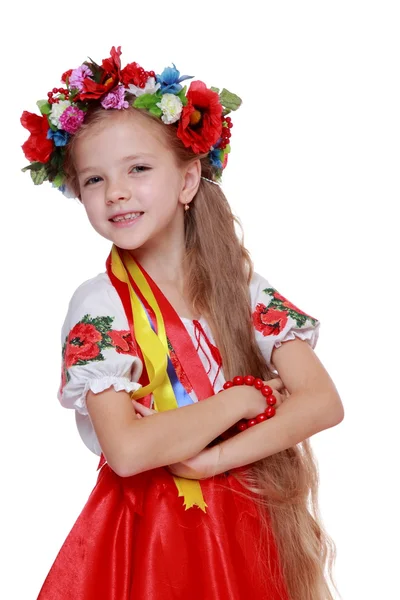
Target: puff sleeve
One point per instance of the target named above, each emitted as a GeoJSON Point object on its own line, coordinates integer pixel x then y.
{"type": "Point", "coordinates": [97, 352]}
{"type": "Point", "coordinates": [276, 320]}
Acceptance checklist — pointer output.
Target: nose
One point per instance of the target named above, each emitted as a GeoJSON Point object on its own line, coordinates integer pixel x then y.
{"type": "Point", "coordinates": [117, 192]}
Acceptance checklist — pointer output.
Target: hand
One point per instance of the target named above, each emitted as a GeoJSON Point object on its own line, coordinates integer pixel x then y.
{"type": "Point", "coordinates": [279, 390]}
{"type": "Point", "coordinates": [142, 411]}
{"type": "Point", "coordinates": [201, 466]}
{"type": "Point", "coordinates": [258, 402]}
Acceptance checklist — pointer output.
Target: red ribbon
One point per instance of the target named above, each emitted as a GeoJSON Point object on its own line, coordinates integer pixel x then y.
{"type": "Point", "coordinates": [182, 343]}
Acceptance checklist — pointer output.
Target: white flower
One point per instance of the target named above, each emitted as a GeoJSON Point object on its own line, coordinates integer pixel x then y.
{"type": "Point", "coordinates": [150, 88]}
{"type": "Point", "coordinates": [171, 107]}
{"type": "Point", "coordinates": [57, 110]}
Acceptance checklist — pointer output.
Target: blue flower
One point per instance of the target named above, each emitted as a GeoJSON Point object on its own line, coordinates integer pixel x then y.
{"type": "Point", "coordinates": [215, 158]}
{"type": "Point", "coordinates": [59, 137]}
{"type": "Point", "coordinates": [170, 80]}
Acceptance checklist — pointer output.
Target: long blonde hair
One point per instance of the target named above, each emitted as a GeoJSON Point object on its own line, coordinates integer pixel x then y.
{"type": "Point", "coordinates": [218, 269]}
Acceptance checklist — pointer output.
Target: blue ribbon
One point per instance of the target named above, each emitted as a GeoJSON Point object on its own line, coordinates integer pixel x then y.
{"type": "Point", "coordinates": [181, 395]}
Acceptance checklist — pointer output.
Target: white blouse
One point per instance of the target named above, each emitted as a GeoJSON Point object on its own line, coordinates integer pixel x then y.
{"type": "Point", "coordinates": [98, 351]}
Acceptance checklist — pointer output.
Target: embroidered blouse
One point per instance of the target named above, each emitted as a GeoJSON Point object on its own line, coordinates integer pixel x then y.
{"type": "Point", "coordinates": [98, 351]}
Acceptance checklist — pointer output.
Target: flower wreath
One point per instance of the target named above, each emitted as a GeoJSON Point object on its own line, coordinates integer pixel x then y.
{"type": "Point", "coordinates": [198, 113]}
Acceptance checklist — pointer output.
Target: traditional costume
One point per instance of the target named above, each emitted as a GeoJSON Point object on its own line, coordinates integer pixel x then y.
{"type": "Point", "coordinates": [153, 535]}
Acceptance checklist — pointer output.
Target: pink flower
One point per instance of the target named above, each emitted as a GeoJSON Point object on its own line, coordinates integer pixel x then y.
{"type": "Point", "coordinates": [78, 75]}
{"type": "Point", "coordinates": [115, 99]}
{"type": "Point", "coordinates": [71, 119]}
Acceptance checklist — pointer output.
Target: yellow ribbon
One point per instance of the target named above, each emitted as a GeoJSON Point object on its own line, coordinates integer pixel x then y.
{"type": "Point", "coordinates": [154, 347]}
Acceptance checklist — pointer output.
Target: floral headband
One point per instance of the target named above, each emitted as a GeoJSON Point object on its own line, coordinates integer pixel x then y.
{"type": "Point", "coordinates": [198, 113]}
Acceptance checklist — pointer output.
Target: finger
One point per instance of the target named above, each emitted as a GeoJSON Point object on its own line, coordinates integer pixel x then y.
{"type": "Point", "coordinates": [142, 410]}
{"type": "Point", "coordinates": [275, 384]}
{"type": "Point", "coordinates": [279, 398]}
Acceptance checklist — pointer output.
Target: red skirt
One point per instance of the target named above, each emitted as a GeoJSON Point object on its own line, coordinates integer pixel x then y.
{"type": "Point", "coordinates": [134, 540]}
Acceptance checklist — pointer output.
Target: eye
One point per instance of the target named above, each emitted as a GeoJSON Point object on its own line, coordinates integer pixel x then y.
{"type": "Point", "coordinates": [92, 180]}
{"type": "Point", "coordinates": [139, 169]}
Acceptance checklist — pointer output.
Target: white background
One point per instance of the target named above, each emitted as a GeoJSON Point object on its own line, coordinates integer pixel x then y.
{"type": "Point", "coordinates": [314, 177]}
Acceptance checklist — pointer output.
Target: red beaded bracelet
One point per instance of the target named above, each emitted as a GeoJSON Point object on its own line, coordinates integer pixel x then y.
{"type": "Point", "coordinates": [264, 389]}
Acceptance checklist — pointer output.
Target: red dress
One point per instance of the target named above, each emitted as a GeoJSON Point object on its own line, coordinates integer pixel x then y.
{"type": "Point", "coordinates": [135, 541]}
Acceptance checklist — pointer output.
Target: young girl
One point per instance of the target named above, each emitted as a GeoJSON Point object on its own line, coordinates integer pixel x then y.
{"type": "Point", "coordinates": [216, 500]}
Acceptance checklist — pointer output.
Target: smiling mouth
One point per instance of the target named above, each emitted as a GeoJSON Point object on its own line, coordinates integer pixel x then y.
{"type": "Point", "coordinates": [128, 217]}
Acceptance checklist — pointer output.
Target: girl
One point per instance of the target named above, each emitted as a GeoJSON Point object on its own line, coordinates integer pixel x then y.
{"type": "Point", "coordinates": [216, 500]}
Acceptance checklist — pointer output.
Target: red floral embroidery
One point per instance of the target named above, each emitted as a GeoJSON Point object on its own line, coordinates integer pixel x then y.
{"type": "Point", "coordinates": [268, 320]}
{"type": "Point", "coordinates": [88, 338]}
{"type": "Point", "coordinates": [82, 344]}
{"type": "Point", "coordinates": [122, 341]}
{"type": "Point", "coordinates": [288, 304]}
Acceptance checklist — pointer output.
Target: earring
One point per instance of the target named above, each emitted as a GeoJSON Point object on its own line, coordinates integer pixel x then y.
{"type": "Point", "coordinates": [187, 207]}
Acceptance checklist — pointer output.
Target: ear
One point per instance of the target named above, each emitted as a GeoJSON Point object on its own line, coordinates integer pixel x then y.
{"type": "Point", "coordinates": [191, 181]}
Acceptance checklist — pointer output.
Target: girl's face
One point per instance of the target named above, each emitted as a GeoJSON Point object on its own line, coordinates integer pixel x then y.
{"type": "Point", "coordinates": [130, 184]}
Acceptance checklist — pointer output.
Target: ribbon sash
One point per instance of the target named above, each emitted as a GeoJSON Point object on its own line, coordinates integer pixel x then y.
{"type": "Point", "coordinates": [137, 291]}
{"type": "Point", "coordinates": [182, 343]}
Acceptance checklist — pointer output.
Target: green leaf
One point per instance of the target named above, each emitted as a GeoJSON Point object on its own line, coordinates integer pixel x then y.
{"type": "Point", "coordinates": [35, 166]}
{"type": "Point", "coordinates": [214, 89]}
{"type": "Point", "coordinates": [44, 107]}
{"type": "Point", "coordinates": [156, 111]}
{"type": "Point", "coordinates": [143, 101]}
{"type": "Point", "coordinates": [300, 319]}
{"type": "Point", "coordinates": [269, 291]}
{"type": "Point", "coordinates": [97, 70]}
{"type": "Point", "coordinates": [106, 342]}
{"type": "Point", "coordinates": [52, 127]}
{"type": "Point", "coordinates": [58, 180]}
{"type": "Point", "coordinates": [39, 176]}
{"type": "Point", "coordinates": [278, 304]}
{"type": "Point", "coordinates": [97, 358]}
{"type": "Point", "coordinates": [147, 101]}
{"type": "Point", "coordinates": [182, 96]}
{"type": "Point", "coordinates": [102, 324]}
{"type": "Point", "coordinates": [229, 100]}
{"type": "Point", "coordinates": [73, 93]}
{"type": "Point", "coordinates": [57, 157]}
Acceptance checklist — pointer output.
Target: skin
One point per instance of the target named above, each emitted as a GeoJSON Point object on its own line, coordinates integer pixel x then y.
{"type": "Point", "coordinates": [154, 184]}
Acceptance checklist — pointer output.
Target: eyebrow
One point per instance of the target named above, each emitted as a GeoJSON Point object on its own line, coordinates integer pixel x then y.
{"type": "Point", "coordinates": [125, 159]}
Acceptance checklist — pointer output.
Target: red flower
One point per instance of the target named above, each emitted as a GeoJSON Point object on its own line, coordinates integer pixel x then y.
{"type": "Point", "coordinates": [82, 344]}
{"type": "Point", "coordinates": [65, 75]}
{"type": "Point", "coordinates": [37, 147]}
{"type": "Point", "coordinates": [200, 125]}
{"type": "Point", "coordinates": [268, 320]}
{"type": "Point", "coordinates": [112, 66]}
{"type": "Point", "coordinates": [180, 373]}
{"type": "Point", "coordinates": [109, 78]}
{"type": "Point", "coordinates": [132, 73]}
{"type": "Point", "coordinates": [122, 342]}
{"type": "Point", "coordinates": [288, 304]}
